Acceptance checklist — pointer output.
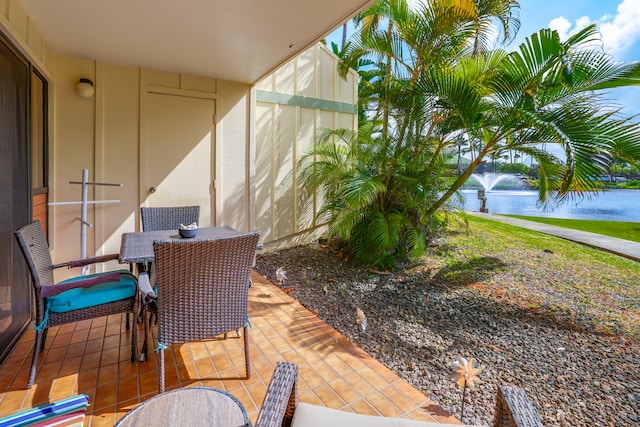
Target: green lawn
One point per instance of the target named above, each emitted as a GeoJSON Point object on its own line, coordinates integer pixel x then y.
{"type": "Point", "coordinates": [546, 274]}
{"type": "Point", "coordinates": [621, 230]}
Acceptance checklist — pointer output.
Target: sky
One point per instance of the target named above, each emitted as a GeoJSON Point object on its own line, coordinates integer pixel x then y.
{"type": "Point", "coordinates": [618, 22]}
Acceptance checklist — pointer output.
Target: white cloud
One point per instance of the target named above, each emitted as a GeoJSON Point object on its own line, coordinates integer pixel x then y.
{"type": "Point", "coordinates": [623, 31]}
{"type": "Point", "coordinates": [562, 26]}
{"type": "Point", "coordinates": [619, 32]}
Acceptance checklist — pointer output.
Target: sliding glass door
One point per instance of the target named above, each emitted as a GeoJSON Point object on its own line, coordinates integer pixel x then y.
{"type": "Point", "coordinates": [15, 194]}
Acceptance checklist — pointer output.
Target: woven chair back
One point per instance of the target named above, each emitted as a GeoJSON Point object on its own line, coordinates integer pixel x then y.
{"type": "Point", "coordinates": [203, 286]}
{"type": "Point", "coordinates": [35, 249]}
{"type": "Point", "coordinates": [168, 218]}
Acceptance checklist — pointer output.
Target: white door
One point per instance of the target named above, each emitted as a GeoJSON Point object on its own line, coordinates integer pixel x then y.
{"type": "Point", "coordinates": [177, 159]}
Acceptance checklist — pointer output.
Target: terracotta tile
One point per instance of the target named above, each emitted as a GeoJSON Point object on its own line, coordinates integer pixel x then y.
{"type": "Point", "coordinates": [13, 363]}
{"type": "Point", "coordinates": [48, 371]}
{"type": "Point", "coordinates": [110, 357]}
{"type": "Point", "coordinates": [148, 384]}
{"type": "Point", "coordinates": [111, 342]}
{"type": "Point", "coordinates": [82, 325]}
{"type": "Point", "coordinates": [105, 396]}
{"type": "Point", "coordinates": [373, 378]}
{"type": "Point", "coordinates": [385, 372]}
{"type": "Point", "coordinates": [97, 332]}
{"type": "Point", "coordinates": [382, 405]}
{"type": "Point", "coordinates": [362, 407]}
{"type": "Point", "coordinates": [26, 342]}
{"type": "Point", "coordinates": [422, 415]}
{"type": "Point", "coordinates": [198, 350]}
{"type": "Point", "coordinates": [66, 329]}
{"type": "Point", "coordinates": [108, 374]}
{"type": "Point", "coordinates": [112, 329]}
{"type": "Point", "coordinates": [127, 369]}
{"type": "Point", "coordinates": [55, 354]}
{"type": "Point", "coordinates": [148, 366]}
{"type": "Point", "coordinates": [344, 390]}
{"type": "Point", "coordinates": [310, 397]}
{"type": "Point", "coordinates": [205, 368]}
{"type": "Point", "coordinates": [248, 399]}
{"type": "Point", "coordinates": [128, 389]}
{"type": "Point", "coordinates": [12, 402]}
{"type": "Point", "coordinates": [60, 340]}
{"type": "Point", "coordinates": [93, 357]}
{"type": "Point", "coordinates": [416, 396]}
{"type": "Point", "coordinates": [94, 345]}
{"type": "Point", "coordinates": [70, 365]}
{"type": "Point", "coordinates": [90, 361]}
{"type": "Point", "coordinates": [399, 400]}
{"type": "Point", "coordinates": [75, 349]}
{"type": "Point", "coordinates": [64, 387]}
{"type": "Point", "coordinates": [87, 379]}
{"type": "Point", "coordinates": [79, 336]}
{"type": "Point", "coordinates": [104, 418]}
{"type": "Point", "coordinates": [127, 405]}
{"type": "Point", "coordinates": [328, 396]}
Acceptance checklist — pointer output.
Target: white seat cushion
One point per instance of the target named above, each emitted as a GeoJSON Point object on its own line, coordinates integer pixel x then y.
{"type": "Point", "coordinates": [307, 415]}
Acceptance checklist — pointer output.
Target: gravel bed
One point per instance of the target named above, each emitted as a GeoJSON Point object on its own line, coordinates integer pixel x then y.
{"type": "Point", "coordinates": [418, 324]}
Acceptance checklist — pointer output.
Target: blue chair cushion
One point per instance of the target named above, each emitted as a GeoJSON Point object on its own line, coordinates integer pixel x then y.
{"type": "Point", "coordinates": [75, 299]}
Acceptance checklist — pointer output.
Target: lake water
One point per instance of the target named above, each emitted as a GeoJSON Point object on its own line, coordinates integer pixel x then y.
{"type": "Point", "coordinates": [612, 205]}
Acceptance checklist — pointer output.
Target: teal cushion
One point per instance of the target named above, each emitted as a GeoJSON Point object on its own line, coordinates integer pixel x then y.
{"type": "Point", "coordinates": [74, 299]}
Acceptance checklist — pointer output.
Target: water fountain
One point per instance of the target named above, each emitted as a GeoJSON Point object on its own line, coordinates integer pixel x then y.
{"type": "Point", "coordinates": [488, 181]}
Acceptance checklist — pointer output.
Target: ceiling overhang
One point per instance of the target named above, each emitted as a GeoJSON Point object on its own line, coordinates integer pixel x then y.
{"type": "Point", "coordinates": [235, 40]}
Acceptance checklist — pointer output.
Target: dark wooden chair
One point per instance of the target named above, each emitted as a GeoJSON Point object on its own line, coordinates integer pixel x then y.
{"type": "Point", "coordinates": [513, 408]}
{"type": "Point", "coordinates": [168, 218]}
{"type": "Point", "coordinates": [75, 299]}
{"type": "Point", "coordinates": [202, 290]}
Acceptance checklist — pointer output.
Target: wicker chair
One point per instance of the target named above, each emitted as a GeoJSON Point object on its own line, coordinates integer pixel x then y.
{"type": "Point", "coordinates": [75, 299]}
{"type": "Point", "coordinates": [202, 290]}
{"type": "Point", "coordinates": [169, 218]}
{"type": "Point", "coordinates": [513, 408]}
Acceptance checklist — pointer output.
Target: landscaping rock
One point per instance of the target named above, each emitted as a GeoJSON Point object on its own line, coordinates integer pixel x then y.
{"type": "Point", "coordinates": [418, 324]}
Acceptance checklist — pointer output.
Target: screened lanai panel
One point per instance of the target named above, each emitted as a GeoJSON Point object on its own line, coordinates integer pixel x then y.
{"type": "Point", "coordinates": [306, 80]}
{"type": "Point", "coordinates": [284, 180]}
{"type": "Point", "coordinates": [305, 206]}
{"type": "Point", "coordinates": [327, 75]}
{"type": "Point", "coordinates": [265, 170]}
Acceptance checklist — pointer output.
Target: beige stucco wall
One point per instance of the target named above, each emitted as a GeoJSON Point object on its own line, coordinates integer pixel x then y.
{"type": "Point", "coordinates": [293, 104]}
{"type": "Point", "coordinates": [258, 133]}
{"type": "Point", "coordinates": [107, 134]}
{"type": "Point", "coordinates": [16, 24]}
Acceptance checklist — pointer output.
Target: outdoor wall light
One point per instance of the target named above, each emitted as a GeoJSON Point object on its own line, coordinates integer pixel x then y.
{"type": "Point", "coordinates": [85, 88]}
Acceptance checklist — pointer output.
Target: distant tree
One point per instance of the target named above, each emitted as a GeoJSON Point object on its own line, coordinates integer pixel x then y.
{"type": "Point", "coordinates": [514, 168]}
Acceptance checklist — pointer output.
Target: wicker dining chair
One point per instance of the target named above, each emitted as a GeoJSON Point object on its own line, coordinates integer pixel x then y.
{"type": "Point", "coordinates": [281, 408]}
{"type": "Point", "coordinates": [202, 291]}
{"type": "Point", "coordinates": [168, 218]}
{"type": "Point", "coordinates": [75, 299]}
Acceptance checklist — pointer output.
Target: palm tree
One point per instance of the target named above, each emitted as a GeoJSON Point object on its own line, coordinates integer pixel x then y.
{"type": "Point", "coordinates": [433, 83]}
{"type": "Point", "coordinates": [547, 93]}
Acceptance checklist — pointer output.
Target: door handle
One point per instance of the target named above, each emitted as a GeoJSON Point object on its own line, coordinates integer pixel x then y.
{"type": "Point", "coordinates": [152, 189]}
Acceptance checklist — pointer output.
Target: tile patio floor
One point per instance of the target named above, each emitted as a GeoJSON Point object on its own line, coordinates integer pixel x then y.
{"type": "Point", "coordinates": [92, 357]}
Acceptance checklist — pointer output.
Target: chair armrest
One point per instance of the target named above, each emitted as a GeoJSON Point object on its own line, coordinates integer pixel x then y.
{"type": "Point", "coordinates": [87, 261]}
{"type": "Point", "coordinates": [52, 290]}
{"type": "Point", "coordinates": [282, 397]}
{"type": "Point", "coordinates": [514, 409]}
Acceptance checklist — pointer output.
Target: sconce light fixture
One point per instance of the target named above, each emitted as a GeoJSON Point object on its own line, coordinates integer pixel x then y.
{"type": "Point", "coordinates": [85, 88]}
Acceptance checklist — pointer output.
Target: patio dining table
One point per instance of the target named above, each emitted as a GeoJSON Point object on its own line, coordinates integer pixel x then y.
{"type": "Point", "coordinates": [137, 247]}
